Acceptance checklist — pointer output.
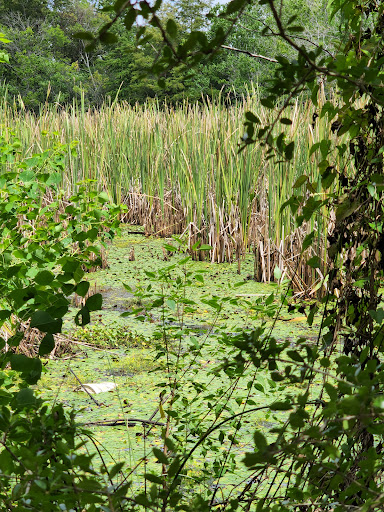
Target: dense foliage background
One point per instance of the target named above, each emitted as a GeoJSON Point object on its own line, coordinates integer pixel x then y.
{"type": "Point", "coordinates": [47, 64]}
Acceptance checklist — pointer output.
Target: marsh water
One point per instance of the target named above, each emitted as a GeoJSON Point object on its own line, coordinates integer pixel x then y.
{"type": "Point", "coordinates": [189, 336]}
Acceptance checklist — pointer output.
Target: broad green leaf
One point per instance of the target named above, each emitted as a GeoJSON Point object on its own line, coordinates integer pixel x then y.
{"type": "Point", "coordinates": [277, 273]}
{"type": "Point", "coordinates": [83, 317]}
{"type": "Point", "coordinates": [87, 36]}
{"type": "Point", "coordinates": [250, 116]}
{"type": "Point", "coordinates": [171, 28]}
{"type": "Point", "coordinates": [260, 441]}
{"type": "Point", "coordinates": [295, 356]}
{"type": "Point", "coordinates": [308, 240]}
{"type": "Point", "coordinates": [346, 208]}
{"type": "Point", "coordinates": [116, 469]}
{"type": "Point", "coordinates": [44, 277]}
{"type": "Point", "coordinates": [288, 151]}
{"type": "Point", "coordinates": [300, 181]}
{"type": "Point", "coordinates": [5, 314]}
{"type": "Point", "coordinates": [45, 322]}
{"type": "Point", "coordinates": [25, 397]}
{"type": "Point", "coordinates": [153, 478]}
{"type": "Point", "coordinates": [108, 38]}
{"type": "Point", "coordinates": [47, 345]}
{"type": "Point", "coordinates": [82, 288]}
{"type": "Point", "coordinates": [171, 304]}
{"type": "Point", "coordinates": [94, 302]}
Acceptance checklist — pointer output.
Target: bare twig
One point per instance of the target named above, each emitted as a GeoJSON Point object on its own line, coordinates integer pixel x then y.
{"type": "Point", "coordinates": [246, 52]}
{"type": "Point", "coordinates": [84, 388]}
{"type": "Point", "coordinates": [114, 423]}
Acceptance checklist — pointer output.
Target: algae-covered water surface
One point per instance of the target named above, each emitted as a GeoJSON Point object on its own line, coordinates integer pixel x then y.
{"type": "Point", "coordinates": [165, 339]}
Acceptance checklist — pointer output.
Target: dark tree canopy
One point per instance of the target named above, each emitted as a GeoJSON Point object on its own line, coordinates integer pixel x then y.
{"type": "Point", "coordinates": [63, 66]}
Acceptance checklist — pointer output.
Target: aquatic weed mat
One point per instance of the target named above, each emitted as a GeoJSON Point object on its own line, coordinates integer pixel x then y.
{"type": "Point", "coordinates": [130, 367]}
{"type": "Point", "coordinates": [217, 280]}
{"type": "Point", "coordinates": [137, 397]}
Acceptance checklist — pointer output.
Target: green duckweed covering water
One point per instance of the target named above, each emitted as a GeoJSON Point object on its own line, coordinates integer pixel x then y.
{"type": "Point", "coordinates": [123, 349]}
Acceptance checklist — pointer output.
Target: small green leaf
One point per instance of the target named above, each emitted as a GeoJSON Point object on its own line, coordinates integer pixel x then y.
{"type": "Point", "coordinates": [314, 262]}
{"type": "Point", "coordinates": [295, 356]}
{"type": "Point", "coordinates": [25, 397]}
{"type": "Point", "coordinates": [296, 29]}
{"type": "Point", "coordinates": [130, 18]}
{"type": "Point", "coordinates": [47, 345]}
{"type": "Point", "coordinates": [308, 241]}
{"type": "Point", "coordinates": [234, 6]}
{"type": "Point", "coordinates": [15, 340]}
{"type": "Point", "coordinates": [44, 277]}
{"type": "Point", "coordinates": [86, 36]}
{"type": "Point", "coordinates": [345, 209]}
{"type": "Point", "coordinates": [82, 288]}
{"type": "Point", "coordinates": [108, 38]}
{"type": "Point", "coordinates": [173, 468]}
{"type": "Point", "coordinates": [153, 478]}
{"type": "Point", "coordinates": [83, 317]}
{"type": "Point", "coordinates": [4, 314]}
{"type": "Point", "coordinates": [331, 390]}
{"type": "Point", "coordinates": [377, 315]}
{"type": "Point", "coordinates": [103, 197]}
{"type": "Point", "coordinates": [300, 181]}
{"type": "Point", "coordinates": [160, 456]}
{"type": "Point", "coordinates": [171, 28]}
{"type": "Point", "coordinates": [280, 406]}
{"type": "Point", "coordinates": [288, 151]}
{"type": "Point", "coordinates": [115, 469]}
{"type": "Point", "coordinates": [324, 361]}
{"type": "Point", "coordinates": [260, 441]}
{"type": "Point", "coordinates": [94, 302]}
{"type": "Point", "coordinates": [30, 367]}
{"type": "Point", "coordinates": [169, 247]}
{"type": "Point", "coordinates": [327, 179]}
{"type": "Point", "coordinates": [19, 362]}
{"type": "Point", "coordinates": [277, 273]}
{"type": "Point", "coordinates": [250, 116]}
{"type": "Point", "coordinates": [276, 377]}
{"type": "Point", "coordinates": [171, 304]}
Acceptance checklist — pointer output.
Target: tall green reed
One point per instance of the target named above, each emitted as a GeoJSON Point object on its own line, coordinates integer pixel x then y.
{"type": "Point", "coordinates": [179, 169]}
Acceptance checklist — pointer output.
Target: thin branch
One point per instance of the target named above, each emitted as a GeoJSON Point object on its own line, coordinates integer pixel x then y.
{"type": "Point", "coordinates": [246, 52]}
{"type": "Point", "coordinates": [113, 423]}
{"type": "Point", "coordinates": [84, 388]}
{"type": "Point", "coordinates": [359, 83]}
{"type": "Point", "coordinates": [314, 44]}
{"type": "Point", "coordinates": [276, 34]}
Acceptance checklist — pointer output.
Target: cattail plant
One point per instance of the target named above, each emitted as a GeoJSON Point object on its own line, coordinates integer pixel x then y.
{"type": "Point", "coordinates": [179, 170]}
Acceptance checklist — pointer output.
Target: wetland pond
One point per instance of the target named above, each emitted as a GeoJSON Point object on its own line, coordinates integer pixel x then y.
{"type": "Point", "coordinates": [183, 343]}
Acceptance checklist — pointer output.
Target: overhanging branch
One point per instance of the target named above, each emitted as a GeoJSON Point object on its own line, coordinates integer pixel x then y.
{"type": "Point", "coordinates": [254, 55]}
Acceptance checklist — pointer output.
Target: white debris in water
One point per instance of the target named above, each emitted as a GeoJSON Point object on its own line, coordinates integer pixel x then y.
{"type": "Point", "coordinates": [95, 388]}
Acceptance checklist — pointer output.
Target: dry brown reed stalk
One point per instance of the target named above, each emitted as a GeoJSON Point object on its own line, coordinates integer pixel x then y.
{"type": "Point", "coordinates": [30, 343]}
